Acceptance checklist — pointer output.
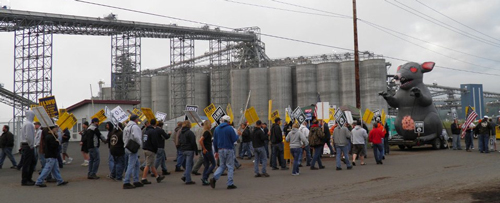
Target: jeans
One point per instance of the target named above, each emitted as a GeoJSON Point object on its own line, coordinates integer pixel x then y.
{"type": "Point", "coordinates": [318, 150]}
{"type": "Point", "coordinates": [51, 167]}
{"type": "Point", "coordinates": [240, 150]}
{"type": "Point", "coordinates": [277, 153]}
{"type": "Point", "coordinates": [180, 160]}
{"type": "Point", "coordinates": [260, 157]}
{"type": "Point", "coordinates": [28, 163]}
{"type": "Point", "coordinates": [118, 167]}
{"type": "Point", "coordinates": [456, 142]}
{"type": "Point", "coordinates": [468, 140]}
{"type": "Point", "coordinates": [377, 152]}
{"type": "Point", "coordinates": [7, 152]}
{"type": "Point", "coordinates": [338, 157]}
{"type": "Point", "coordinates": [188, 156]}
{"type": "Point", "coordinates": [383, 148]}
{"type": "Point", "coordinates": [472, 140]}
{"type": "Point", "coordinates": [246, 149]}
{"type": "Point", "coordinates": [160, 159]}
{"type": "Point", "coordinates": [208, 163]}
{"type": "Point", "coordinates": [307, 149]}
{"type": "Point", "coordinates": [266, 147]}
{"type": "Point", "coordinates": [483, 142]}
{"type": "Point", "coordinates": [296, 159]}
{"type": "Point", "coordinates": [111, 163]}
{"type": "Point", "coordinates": [41, 157]}
{"type": "Point", "coordinates": [36, 158]}
{"type": "Point", "coordinates": [199, 162]}
{"type": "Point", "coordinates": [226, 157]}
{"type": "Point", "coordinates": [94, 160]}
{"type": "Point", "coordinates": [132, 167]}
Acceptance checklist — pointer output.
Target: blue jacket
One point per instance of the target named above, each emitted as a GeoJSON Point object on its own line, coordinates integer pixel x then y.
{"type": "Point", "coordinates": [224, 137]}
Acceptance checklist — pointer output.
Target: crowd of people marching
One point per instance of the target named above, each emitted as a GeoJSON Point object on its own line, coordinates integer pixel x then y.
{"type": "Point", "coordinates": [214, 144]}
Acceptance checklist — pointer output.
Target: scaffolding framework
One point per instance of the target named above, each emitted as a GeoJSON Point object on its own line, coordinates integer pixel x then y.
{"type": "Point", "coordinates": [219, 74]}
{"type": "Point", "coordinates": [181, 49]}
{"type": "Point", "coordinates": [32, 64]}
{"type": "Point", "coordinates": [125, 66]}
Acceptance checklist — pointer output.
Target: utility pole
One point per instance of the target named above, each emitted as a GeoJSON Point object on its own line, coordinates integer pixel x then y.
{"type": "Point", "coordinates": [356, 55]}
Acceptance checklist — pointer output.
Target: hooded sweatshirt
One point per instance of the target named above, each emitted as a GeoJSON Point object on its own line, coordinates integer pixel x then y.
{"type": "Point", "coordinates": [296, 139]}
{"type": "Point", "coordinates": [132, 132]}
{"type": "Point", "coordinates": [28, 130]}
{"type": "Point", "coordinates": [359, 135]}
{"type": "Point", "coordinates": [187, 140]}
{"type": "Point", "coordinates": [224, 137]}
{"type": "Point", "coordinates": [93, 136]}
{"type": "Point", "coordinates": [304, 130]}
{"type": "Point", "coordinates": [340, 136]}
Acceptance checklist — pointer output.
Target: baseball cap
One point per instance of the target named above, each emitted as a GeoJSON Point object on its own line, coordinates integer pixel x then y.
{"type": "Point", "coordinates": [226, 118]}
{"type": "Point", "coordinates": [134, 117]}
{"type": "Point", "coordinates": [485, 116]}
{"type": "Point", "coordinates": [94, 120]}
{"type": "Point", "coordinates": [277, 119]}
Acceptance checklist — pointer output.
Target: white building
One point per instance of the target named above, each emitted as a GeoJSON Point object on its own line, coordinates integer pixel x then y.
{"type": "Point", "coordinates": [85, 109]}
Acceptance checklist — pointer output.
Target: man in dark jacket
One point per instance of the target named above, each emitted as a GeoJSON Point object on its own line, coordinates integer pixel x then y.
{"type": "Point", "coordinates": [6, 145]}
{"type": "Point", "coordinates": [93, 137]}
{"type": "Point", "coordinates": [150, 148]}
{"type": "Point", "coordinates": [455, 132]}
{"type": "Point", "coordinates": [160, 155]}
{"type": "Point", "coordinates": [484, 129]}
{"type": "Point", "coordinates": [246, 140]}
{"type": "Point", "coordinates": [258, 141]}
{"type": "Point", "coordinates": [187, 141]}
{"type": "Point", "coordinates": [117, 151]}
{"type": "Point", "coordinates": [277, 146]}
{"type": "Point", "coordinates": [51, 151]}
{"type": "Point", "coordinates": [266, 132]}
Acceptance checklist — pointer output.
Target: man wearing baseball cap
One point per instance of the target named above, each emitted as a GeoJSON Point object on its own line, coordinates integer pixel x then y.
{"type": "Point", "coordinates": [223, 141]}
{"type": "Point", "coordinates": [484, 128]}
{"type": "Point", "coordinates": [93, 136]}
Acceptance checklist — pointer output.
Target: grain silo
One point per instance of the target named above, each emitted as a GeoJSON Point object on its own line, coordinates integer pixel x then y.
{"type": "Point", "coordinates": [240, 87]}
{"type": "Point", "coordinates": [329, 82]}
{"type": "Point", "coordinates": [160, 88]}
{"type": "Point", "coordinates": [259, 84]}
{"type": "Point", "coordinates": [197, 90]}
{"type": "Point", "coordinates": [305, 76]}
{"type": "Point", "coordinates": [280, 88]}
{"type": "Point", "coordinates": [347, 83]}
{"type": "Point", "coordinates": [146, 92]}
{"type": "Point", "coordinates": [372, 77]}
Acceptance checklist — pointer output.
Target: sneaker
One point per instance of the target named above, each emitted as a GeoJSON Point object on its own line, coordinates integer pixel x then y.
{"type": "Point", "coordinates": [354, 163]}
{"type": "Point", "coordinates": [145, 182]}
{"type": "Point", "coordinates": [13, 167]}
{"type": "Point", "coordinates": [41, 185]}
{"type": "Point", "coordinates": [300, 165]}
{"type": "Point", "coordinates": [110, 177]}
{"type": "Point", "coordinates": [275, 168]}
{"type": "Point", "coordinates": [183, 179]}
{"type": "Point", "coordinates": [265, 175]}
{"type": "Point", "coordinates": [93, 177]}
{"type": "Point", "coordinates": [212, 182]}
{"type": "Point", "coordinates": [231, 187]}
{"type": "Point", "coordinates": [204, 182]}
{"type": "Point", "coordinates": [349, 168]}
{"type": "Point", "coordinates": [338, 169]}
{"type": "Point", "coordinates": [64, 162]}
{"type": "Point", "coordinates": [178, 170]}
{"type": "Point", "coordinates": [286, 168]}
{"type": "Point", "coordinates": [29, 183]}
{"type": "Point", "coordinates": [314, 168]}
{"type": "Point", "coordinates": [295, 174]}
{"type": "Point", "coordinates": [159, 179]}
{"type": "Point", "coordinates": [63, 183]}
{"type": "Point", "coordinates": [258, 175]}
{"type": "Point", "coordinates": [69, 160]}
{"type": "Point", "coordinates": [322, 167]}
{"type": "Point", "coordinates": [165, 173]}
{"type": "Point", "coordinates": [190, 183]}
{"type": "Point", "coordinates": [128, 186]}
{"type": "Point", "coordinates": [138, 184]}
{"type": "Point", "coordinates": [195, 173]}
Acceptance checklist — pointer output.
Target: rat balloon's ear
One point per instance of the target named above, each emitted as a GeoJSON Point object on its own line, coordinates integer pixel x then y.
{"type": "Point", "coordinates": [427, 66]}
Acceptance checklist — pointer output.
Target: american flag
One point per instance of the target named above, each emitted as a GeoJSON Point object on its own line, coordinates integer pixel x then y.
{"type": "Point", "coordinates": [472, 116]}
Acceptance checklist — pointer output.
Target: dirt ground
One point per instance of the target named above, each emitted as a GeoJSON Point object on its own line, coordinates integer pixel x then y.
{"type": "Point", "coordinates": [417, 175]}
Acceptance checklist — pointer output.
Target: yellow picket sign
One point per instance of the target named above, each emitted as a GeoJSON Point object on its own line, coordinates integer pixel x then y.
{"type": "Point", "coordinates": [332, 113]}
{"type": "Point", "coordinates": [274, 115]}
{"type": "Point", "coordinates": [270, 109]}
{"type": "Point", "coordinates": [229, 112]}
{"type": "Point", "coordinates": [209, 110]}
{"type": "Point", "coordinates": [251, 115]}
{"type": "Point", "coordinates": [70, 122]}
{"type": "Point", "coordinates": [286, 150]}
{"type": "Point", "coordinates": [287, 117]}
{"type": "Point", "coordinates": [382, 117]}
{"type": "Point", "coordinates": [62, 119]}
{"type": "Point", "coordinates": [62, 111]}
{"type": "Point", "coordinates": [148, 113]}
{"type": "Point", "coordinates": [101, 115]}
{"type": "Point", "coordinates": [368, 116]}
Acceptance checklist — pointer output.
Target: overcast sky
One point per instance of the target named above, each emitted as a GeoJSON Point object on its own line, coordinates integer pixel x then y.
{"type": "Point", "coordinates": [82, 60]}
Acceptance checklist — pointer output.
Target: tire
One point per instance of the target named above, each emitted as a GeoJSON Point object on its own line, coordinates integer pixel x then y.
{"type": "Point", "coordinates": [409, 146]}
{"type": "Point", "coordinates": [436, 143]}
{"type": "Point", "coordinates": [401, 147]}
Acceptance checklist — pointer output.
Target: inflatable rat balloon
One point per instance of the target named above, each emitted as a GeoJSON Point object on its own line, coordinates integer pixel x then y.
{"type": "Point", "coordinates": [414, 103]}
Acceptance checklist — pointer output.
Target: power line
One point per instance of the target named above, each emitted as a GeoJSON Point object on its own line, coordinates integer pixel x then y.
{"type": "Point", "coordinates": [442, 24]}
{"type": "Point", "coordinates": [456, 21]}
{"type": "Point", "coordinates": [368, 22]}
{"type": "Point", "coordinates": [285, 38]}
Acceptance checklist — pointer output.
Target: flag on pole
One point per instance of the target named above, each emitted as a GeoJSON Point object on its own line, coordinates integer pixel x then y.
{"type": "Point", "coordinates": [472, 116]}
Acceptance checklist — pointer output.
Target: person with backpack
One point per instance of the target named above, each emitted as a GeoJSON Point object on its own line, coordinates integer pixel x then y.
{"type": "Point", "coordinates": [317, 141]}
{"type": "Point", "coordinates": [341, 136]}
{"type": "Point", "coordinates": [132, 139]}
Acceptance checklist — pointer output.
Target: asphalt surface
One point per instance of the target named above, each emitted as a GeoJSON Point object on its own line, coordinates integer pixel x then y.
{"type": "Point", "coordinates": [418, 175]}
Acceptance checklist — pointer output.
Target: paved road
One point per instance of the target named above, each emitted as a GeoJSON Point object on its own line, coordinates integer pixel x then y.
{"type": "Point", "coordinates": [420, 175]}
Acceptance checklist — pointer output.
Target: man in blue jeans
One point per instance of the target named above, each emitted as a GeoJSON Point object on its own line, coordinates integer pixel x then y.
{"type": "Point", "coordinates": [340, 136]}
{"type": "Point", "coordinates": [258, 140]}
{"type": "Point", "coordinates": [277, 146]}
{"type": "Point", "coordinates": [6, 145]}
{"type": "Point", "coordinates": [484, 129]}
{"type": "Point", "coordinates": [94, 137]}
{"type": "Point", "coordinates": [224, 138]}
{"type": "Point", "coordinates": [375, 137]}
{"type": "Point", "coordinates": [160, 155]}
{"type": "Point", "coordinates": [134, 133]}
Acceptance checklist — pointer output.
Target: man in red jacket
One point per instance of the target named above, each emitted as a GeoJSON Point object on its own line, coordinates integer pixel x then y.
{"type": "Point", "coordinates": [375, 137]}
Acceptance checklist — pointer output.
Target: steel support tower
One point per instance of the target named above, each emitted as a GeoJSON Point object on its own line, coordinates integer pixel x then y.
{"type": "Point", "coordinates": [32, 64]}
{"type": "Point", "coordinates": [125, 66]}
{"type": "Point", "coordinates": [219, 73]}
{"type": "Point", "coordinates": [181, 49]}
